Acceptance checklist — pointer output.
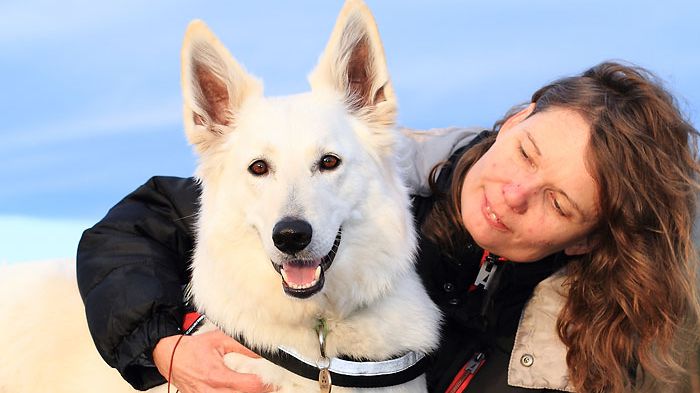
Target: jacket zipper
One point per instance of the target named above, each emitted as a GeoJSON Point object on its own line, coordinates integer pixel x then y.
{"type": "Point", "coordinates": [465, 375]}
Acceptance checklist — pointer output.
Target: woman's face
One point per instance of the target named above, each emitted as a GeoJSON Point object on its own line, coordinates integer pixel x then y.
{"type": "Point", "coordinates": [531, 194]}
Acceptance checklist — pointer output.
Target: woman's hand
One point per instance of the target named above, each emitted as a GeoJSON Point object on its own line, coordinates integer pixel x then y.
{"type": "Point", "coordinates": [198, 365]}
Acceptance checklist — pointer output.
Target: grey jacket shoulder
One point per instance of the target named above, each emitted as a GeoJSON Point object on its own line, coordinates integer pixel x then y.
{"type": "Point", "coordinates": [420, 150]}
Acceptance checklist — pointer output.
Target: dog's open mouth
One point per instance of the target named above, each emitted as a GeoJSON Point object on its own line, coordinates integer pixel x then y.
{"type": "Point", "coordinates": [303, 278]}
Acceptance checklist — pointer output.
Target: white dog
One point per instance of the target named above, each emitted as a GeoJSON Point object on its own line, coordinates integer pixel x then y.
{"type": "Point", "coordinates": [305, 219]}
{"type": "Point", "coordinates": [305, 238]}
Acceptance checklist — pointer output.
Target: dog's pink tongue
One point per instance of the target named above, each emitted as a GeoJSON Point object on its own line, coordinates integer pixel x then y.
{"type": "Point", "coordinates": [299, 274]}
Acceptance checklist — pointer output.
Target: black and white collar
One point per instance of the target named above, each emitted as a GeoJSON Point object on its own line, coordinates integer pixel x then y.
{"type": "Point", "coordinates": [344, 372]}
{"type": "Point", "coordinates": [350, 373]}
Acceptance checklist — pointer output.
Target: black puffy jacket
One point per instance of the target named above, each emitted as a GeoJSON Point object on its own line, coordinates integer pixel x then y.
{"type": "Point", "coordinates": [132, 267]}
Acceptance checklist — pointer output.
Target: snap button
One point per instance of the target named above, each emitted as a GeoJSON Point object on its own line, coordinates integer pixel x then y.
{"type": "Point", "coordinates": [527, 360]}
{"type": "Point", "coordinates": [448, 287]}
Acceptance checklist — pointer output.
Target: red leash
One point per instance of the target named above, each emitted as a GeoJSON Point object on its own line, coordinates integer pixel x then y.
{"type": "Point", "coordinates": [172, 357]}
{"type": "Point", "coordinates": [190, 323]}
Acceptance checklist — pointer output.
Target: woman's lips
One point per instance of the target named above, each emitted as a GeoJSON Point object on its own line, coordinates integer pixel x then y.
{"type": "Point", "coordinates": [492, 218]}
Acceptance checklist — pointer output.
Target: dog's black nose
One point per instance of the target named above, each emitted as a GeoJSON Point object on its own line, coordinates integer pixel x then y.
{"type": "Point", "coordinates": [291, 235]}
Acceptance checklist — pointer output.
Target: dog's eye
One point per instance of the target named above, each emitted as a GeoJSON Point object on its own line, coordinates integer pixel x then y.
{"type": "Point", "coordinates": [258, 168]}
{"type": "Point", "coordinates": [328, 162]}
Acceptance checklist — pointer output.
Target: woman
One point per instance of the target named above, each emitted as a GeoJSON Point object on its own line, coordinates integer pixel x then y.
{"type": "Point", "coordinates": [585, 197]}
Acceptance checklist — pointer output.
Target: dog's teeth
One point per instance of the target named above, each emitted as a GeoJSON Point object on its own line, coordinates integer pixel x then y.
{"type": "Point", "coordinates": [284, 274]}
{"type": "Point", "coordinates": [317, 275]}
{"type": "Point", "coordinates": [304, 286]}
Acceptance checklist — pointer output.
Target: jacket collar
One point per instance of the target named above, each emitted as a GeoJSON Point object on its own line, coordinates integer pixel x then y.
{"type": "Point", "coordinates": [538, 360]}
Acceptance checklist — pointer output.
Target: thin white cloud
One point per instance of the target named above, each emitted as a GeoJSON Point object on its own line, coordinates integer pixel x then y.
{"type": "Point", "coordinates": [41, 185]}
{"type": "Point", "coordinates": [47, 133]}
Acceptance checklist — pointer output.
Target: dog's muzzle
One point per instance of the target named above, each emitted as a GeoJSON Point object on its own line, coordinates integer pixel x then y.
{"type": "Point", "coordinates": [302, 278]}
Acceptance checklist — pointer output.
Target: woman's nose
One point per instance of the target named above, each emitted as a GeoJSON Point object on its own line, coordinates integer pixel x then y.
{"type": "Point", "coordinates": [517, 195]}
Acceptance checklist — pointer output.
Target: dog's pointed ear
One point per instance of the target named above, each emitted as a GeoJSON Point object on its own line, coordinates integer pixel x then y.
{"type": "Point", "coordinates": [214, 87]}
{"type": "Point", "coordinates": [354, 64]}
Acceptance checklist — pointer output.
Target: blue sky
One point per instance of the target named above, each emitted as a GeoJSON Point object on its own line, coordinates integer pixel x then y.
{"type": "Point", "coordinates": [91, 102]}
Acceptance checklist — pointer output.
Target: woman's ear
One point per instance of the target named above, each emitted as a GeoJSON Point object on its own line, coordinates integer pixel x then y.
{"type": "Point", "coordinates": [518, 117]}
{"type": "Point", "coordinates": [583, 246]}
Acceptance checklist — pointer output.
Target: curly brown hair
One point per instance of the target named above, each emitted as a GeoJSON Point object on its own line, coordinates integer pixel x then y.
{"type": "Point", "coordinates": [632, 318]}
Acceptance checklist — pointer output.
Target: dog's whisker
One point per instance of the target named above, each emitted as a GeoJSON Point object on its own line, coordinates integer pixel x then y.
{"type": "Point", "coordinates": [186, 217]}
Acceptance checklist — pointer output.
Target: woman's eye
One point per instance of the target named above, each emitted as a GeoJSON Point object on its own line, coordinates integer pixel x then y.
{"type": "Point", "coordinates": [258, 168]}
{"type": "Point", "coordinates": [523, 153]}
{"type": "Point", "coordinates": [557, 206]}
{"type": "Point", "coordinates": [525, 156]}
{"type": "Point", "coordinates": [328, 162]}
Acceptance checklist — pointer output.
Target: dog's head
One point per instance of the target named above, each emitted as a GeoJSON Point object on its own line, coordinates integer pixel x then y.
{"type": "Point", "coordinates": [309, 180]}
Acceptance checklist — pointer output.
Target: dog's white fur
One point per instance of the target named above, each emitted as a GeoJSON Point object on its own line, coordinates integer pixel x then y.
{"type": "Point", "coordinates": [45, 345]}
{"type": "Point", "coordinates": [373, 300]}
